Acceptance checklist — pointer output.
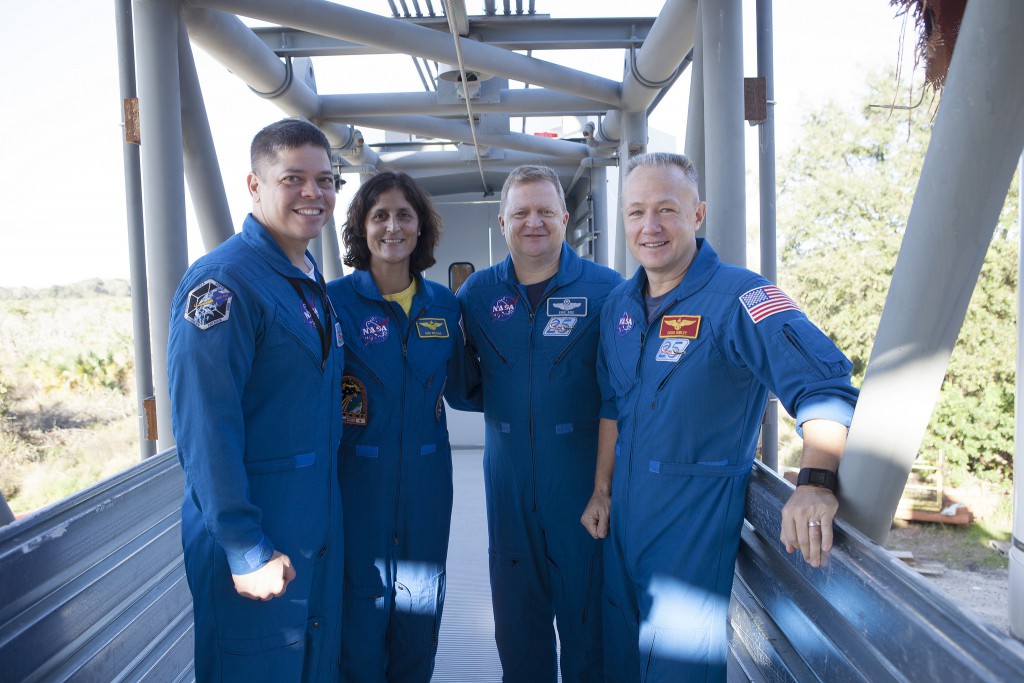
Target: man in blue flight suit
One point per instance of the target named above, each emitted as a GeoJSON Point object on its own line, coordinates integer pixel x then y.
{"type": "Point", "coordinates": [532, 321]}
{"type": "Point", "coordinates": [254, 363]}
{"type": "Point", "coordinates": [690, 348]}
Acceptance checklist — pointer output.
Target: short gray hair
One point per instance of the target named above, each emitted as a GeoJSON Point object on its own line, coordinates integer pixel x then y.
{"type": "Point", "coordinates": [529, 173]}
{"type": "Point", "coordinates": [664, 160]}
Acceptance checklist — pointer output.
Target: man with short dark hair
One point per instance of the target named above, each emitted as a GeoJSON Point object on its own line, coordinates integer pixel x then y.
{"type": "Point", "coordinates": [690, 348]}
{"type": "Point", "coordinates": [254, 365]}
{"type": "Point", "coordinates": [532, 323]}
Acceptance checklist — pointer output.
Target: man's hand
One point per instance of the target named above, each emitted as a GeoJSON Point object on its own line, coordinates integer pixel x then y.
{"type": "Point", "coordinates": [268, 582]}
{"type": "Point", "coordinates": [807, 523]}
{"type": "Point", "coordinates": [595, 516]}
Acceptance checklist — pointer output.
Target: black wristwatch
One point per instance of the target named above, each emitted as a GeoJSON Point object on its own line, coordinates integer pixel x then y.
{"type": "Point", "coordinates": [826, 479]}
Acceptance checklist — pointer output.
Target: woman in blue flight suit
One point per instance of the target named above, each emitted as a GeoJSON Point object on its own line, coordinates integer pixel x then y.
{"type": "Point", "coordinates": [404, 338]}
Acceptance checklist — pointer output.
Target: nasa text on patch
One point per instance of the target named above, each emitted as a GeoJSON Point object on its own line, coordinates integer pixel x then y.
{"type": "Point", "coordinates": [353, 401]}
{"type": "Point", "coordinates": [374, 330]}
{"type": "Point", "coordinates": [503, 308]}
{"type": "Point", "coordinates": [568, 305]}
{"type": "Point", "coordinates": [679, 326]}
{"type": "Point", "coordinates": [432, 328]}
{"type": "Point", "coordinates": [208, 303]}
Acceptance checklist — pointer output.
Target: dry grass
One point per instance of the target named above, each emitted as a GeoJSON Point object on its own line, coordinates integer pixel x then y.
{"type": "Point", "coordinates": [67, 406]}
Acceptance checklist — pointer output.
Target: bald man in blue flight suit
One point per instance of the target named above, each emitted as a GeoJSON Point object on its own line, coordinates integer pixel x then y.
{"type": "Point", "coordinates": [690, 348]}
{"type": "Point", "coordinates": [532, 322]}
{"type": "Point", "coordinates": [254, 366]}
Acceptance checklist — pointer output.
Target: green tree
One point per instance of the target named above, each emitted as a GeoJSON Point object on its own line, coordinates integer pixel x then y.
{"type": "Point", "coordinates": [845, 193]}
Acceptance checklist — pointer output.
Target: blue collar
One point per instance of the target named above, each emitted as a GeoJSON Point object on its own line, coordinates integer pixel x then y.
{"type": "Point", "coordinates": [365, 286]}
{"type": "Point", "coordinates": [260, 239]}
{"type": "Point", "coordinates": [704, 265]}
{"type": "Point", "coordinates": [570, 267]}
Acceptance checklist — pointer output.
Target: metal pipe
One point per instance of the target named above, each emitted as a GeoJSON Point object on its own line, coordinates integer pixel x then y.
{"type": "Point", "coordinates": [427, 161]}
{"type": "Point", "coordinates": [766, 184]}
{"type": "Point", "coordinates": [346, 23]}
{"type": "Point", "coordinates": [234, 45]}
{"type": "Point", "coordinates": [654, 64]}
{"type": "Point", "coordinates": [455, 130]}
{"type": "Point", "coordinates": [722, 32]}
{"type": "Point", "coordinates": [599, 198]}
{"type": "Point", "coordinates": [163, 187]}
{"type": "Point", "coordinates": [330, 264]}
{"type": "Point", "coordinates": [512, 101]}
{"type": "Point", "coordinates": [693, 144]}
{"type": "Point", "coordinates": [202, 170]}
{"type": "Point", "coordinates": [634, 141]}
{"type": "Point", "coordinates": [975, 144]}
{"type": "Point", "coordinates": [136, 236]}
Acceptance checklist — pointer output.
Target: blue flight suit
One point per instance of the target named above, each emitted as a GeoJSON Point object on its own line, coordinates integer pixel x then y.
{"type": "Point", "coordinates": [255, 394]}
{"type": "Point", "coordinates": [690, 387]}
{"type": "Point", "coordinates": [395, 464]}
{"type": "Point", "coordinates": [540, 400]}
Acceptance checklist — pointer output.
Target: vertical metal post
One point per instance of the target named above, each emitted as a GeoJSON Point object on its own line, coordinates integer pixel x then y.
{"type": "Point", "coordinates": [599, 202]}
{"type": "Point", "coordinates": [136, 238]}
{"type": "Point", "coordinates": [722, 32]}
{"type": "Point", "coordinates": [330, 263]}
{"type": "Point", "coordinates": [633, 141]}
{"type": "Point", "coordinates": [766, 178]}
{"type": "Point", "coordinates": [202, 170]}
{"type": "Point", "coordinates": [163, 190]}
{"type": "Point", "coordinates": [1016, 605]}
{"type": "Point", "coordinates": [694, 142]}
{"type": "Point", "coordinates": [975, 144]}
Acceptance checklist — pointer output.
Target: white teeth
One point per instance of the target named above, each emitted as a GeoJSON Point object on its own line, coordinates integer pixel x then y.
{"type": "Point", "coordinates": [310, 212]}
{"type": "Point", "coordinates": [652, 245]}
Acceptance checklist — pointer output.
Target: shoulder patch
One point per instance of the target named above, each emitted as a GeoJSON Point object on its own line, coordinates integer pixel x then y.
{"type": "Point", "coordinates": [208, 303]}
{"type": "Point", "coordinates": [353, 401]}
{"type": "Point", "coordinates": [763, 302]}
{"type": "Point", "coordinates": [432, 328]}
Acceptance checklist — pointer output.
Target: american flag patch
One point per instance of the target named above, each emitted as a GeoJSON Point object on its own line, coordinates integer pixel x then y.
{"type": "Point", "coordinates": [762, 302]}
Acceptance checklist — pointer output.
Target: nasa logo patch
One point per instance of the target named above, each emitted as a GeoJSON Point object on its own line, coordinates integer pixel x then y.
{"type": "Point", "coordinates": [560, 326]}
{"type": "Point", "coordinates": [353, 401]}
{"type": "Point", "coordinates": [568, 305]}
{"type": "Point", "coordinates": [208, 304]}
{"type": "Point", "coordinates": [672, 350]}
{"type": "Point", "coordinates": [308, 315]}
{"type": "Point", "coordinates": [625, 324]}
{"type": "Point", "coordinates": [503, 308]}
{"type": "Point", "coordinates": [374, 330]}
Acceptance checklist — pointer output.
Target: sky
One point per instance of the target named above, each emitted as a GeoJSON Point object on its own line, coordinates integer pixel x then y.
{"type": "Point", "coordinates": [62, 109]}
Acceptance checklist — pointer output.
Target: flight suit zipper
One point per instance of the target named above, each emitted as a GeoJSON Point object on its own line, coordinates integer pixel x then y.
{"type": "Point", "coordinates": [575, 338]}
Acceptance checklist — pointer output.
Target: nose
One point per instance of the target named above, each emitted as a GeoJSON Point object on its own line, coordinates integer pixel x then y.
{"type": "Point", "coordinates": [392, 224]}
{"type": "Point", "coordinates": [311, 188]}
{"type": "Point", "coordinates": [650, 223]}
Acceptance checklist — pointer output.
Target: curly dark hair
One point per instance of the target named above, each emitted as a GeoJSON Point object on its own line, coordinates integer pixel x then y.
{"type": "Point", "coordinates": [357, 252]}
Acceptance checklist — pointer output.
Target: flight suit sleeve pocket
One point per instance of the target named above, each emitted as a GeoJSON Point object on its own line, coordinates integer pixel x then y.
{"type": "Point", "coordinates": [293, 462]}
{"type": "Point", "coordinates": [811, 349]}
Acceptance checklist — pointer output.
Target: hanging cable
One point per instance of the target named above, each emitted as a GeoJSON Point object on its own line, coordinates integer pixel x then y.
{"type": "Point", "coordinates": [450, 14]}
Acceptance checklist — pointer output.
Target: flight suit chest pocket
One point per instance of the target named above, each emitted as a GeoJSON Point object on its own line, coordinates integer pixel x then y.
{"type": "Point", "coordinates": [297, 333]}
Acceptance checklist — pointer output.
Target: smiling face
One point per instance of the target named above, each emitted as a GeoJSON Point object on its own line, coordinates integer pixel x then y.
{"type": "Point", "coordinates": [662, 214]}
{"type": "Point", "coordinates": [293, 196]}
{"type": "Point", "coordinates": [534, 221]}
{"type": "Point", "coordinates": [391, 228]}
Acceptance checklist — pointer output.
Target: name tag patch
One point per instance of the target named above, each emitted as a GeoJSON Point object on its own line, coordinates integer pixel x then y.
{"type": "Point", "coordinates": [208, 304]}
{"type": "Point", "coordinates": [672, 350]}
{"type": "Point", "coordinates": [560, 326]}
{"type": "Point", "coordinates": [432, 328]}
{"type": "Point", "coordinates": [679, 326]}
{"type": "Point", "coordinates": [353, 401]}
{"type": "Point", "coordinates": [568, 305]}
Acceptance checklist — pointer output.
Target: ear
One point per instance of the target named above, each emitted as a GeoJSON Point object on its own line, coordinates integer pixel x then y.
{"type": "Point", "coordinates": [501, 224]}
{"type": "Point", "coordinates": [253, 182]}
{"type": "Point", "coordinates": [702, 209]}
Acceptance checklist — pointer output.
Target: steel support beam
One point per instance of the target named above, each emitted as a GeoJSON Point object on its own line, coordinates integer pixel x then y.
{"type": "Point", "coordinates": [234, 45]}
{"type": "Point", "coordinates": [693, 144]}
{"type": "Point", "coordinates": [516, 102]}
{"type": "Point", "coordinates": [538, 32]}
{"type": "Point", "coordinates": [599, 198]}
{"type": "Point", "coordinates": [722, 32]}
{"type": "Point", "coordinates": [163, 188]}
{"type": "Point", "coordinates": [136, 228]}
{"type": "Point", "coordinates": [633, 142]}
{"type": "Point", "coordinates": [202, 170]}
{"type": "Point", "coordinates": [766, 184]}
{"type": "Point", "coordinates": [400, 37]}
{"type": "Point", "coordinates": [330, 265]}
{"type": "Point", "coordinates": [655, 63]}
{"type": "Point", "coordinates": [975, 144]}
